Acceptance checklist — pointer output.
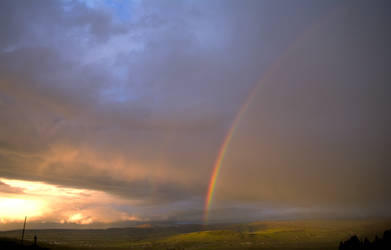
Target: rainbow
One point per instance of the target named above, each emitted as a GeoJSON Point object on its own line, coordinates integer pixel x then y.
{"type": "Point", "coordinates": [224, 146]}
{"type": "Point", "coordinates": [223, 151]}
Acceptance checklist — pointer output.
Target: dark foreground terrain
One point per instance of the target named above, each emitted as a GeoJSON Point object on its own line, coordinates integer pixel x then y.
{"type": "Point", "coordinates": [304, 234]}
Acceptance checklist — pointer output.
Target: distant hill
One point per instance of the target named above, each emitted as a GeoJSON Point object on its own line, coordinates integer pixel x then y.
{"type": "Point", "coordinates": [144, 226]}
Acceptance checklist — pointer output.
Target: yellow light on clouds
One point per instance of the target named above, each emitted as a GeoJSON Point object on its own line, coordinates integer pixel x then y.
{"type": "Point", "coordinates": [46, 202]}
{"type": "Point", "coordinates": [14, 209]}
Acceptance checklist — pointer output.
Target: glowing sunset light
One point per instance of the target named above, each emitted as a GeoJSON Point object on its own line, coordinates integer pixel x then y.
{"type": "Point", "coordinates": [44, 189]}
{"type": "Point", "coordinates": [14, 209]}
{"type": "Point", "coordinates": [80, 219]}
{"type": "Point", "coordinates": [39, 200]}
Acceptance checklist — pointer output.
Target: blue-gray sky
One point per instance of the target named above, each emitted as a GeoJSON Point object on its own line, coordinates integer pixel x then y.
{"type": "Point", "coordinates": [131, 100]}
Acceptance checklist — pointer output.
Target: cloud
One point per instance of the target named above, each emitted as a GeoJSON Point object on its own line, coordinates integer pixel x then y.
{"type": "Point", "coordinates": [44, 202]}
{"type": "Point", "coordinates": [7, 189]}
{"type": "Point", "coordinates": [136, 105]}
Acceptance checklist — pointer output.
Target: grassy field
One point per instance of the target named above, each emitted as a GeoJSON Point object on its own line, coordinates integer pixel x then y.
{"type": "Point", "coordinates": [304, 234]}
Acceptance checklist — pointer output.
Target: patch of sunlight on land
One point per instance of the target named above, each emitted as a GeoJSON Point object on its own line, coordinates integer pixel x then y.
{"type": "Point", "coordinates": [209, 236]}
{"type": "Point", "coordinates": [273, 230]}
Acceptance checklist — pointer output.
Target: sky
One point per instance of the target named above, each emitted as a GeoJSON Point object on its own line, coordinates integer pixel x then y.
{"type": "Point", "coordinates": [114, 112]}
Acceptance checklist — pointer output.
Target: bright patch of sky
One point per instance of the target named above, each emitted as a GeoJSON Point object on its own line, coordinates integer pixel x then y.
{"type": "Point", "coordinates": [107, 53]}
{"type": "Point", "coordinates": [121, 9]}
{"type": "Point", "coordinates": [39, 200]}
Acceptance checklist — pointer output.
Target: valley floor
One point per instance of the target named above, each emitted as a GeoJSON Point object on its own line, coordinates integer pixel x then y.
{"type": "Point", "coordinates": [300, 234]}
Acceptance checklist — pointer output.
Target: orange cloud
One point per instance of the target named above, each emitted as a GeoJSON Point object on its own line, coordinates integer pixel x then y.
{"type": "Point", "coordinates": [46, 202]}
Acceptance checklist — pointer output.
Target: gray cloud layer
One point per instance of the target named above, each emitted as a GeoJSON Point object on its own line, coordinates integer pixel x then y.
{"type": "Point", "coordinates": [139, 106]}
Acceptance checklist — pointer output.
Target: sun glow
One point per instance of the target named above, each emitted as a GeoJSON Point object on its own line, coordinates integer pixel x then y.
{"type": "Point", "coordinates": [14, 209]}
{"type": "Point", "coordinates": [40, 201]}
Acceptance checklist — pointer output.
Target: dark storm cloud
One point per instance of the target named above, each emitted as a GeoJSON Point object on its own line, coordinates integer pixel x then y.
{"type": "Point", "coordinates": [319, 127]}
{"type": "Point", "coordinates": [139, 106]}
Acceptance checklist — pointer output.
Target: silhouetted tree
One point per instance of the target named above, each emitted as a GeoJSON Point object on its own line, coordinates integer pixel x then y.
{"type": "Point", "coordinates": [387, 239]}
{"type": "Point", "coordinates": [367, 243]}
{"type": "Point", "coordinates": [354, 243]}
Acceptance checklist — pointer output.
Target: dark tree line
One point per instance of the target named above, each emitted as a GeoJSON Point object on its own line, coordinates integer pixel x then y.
{"type": "Point", "coordinates": [354, 243]}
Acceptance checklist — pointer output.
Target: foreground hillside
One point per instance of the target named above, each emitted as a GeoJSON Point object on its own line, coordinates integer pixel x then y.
{"type": "Point", "coordinates": [305, 234]}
